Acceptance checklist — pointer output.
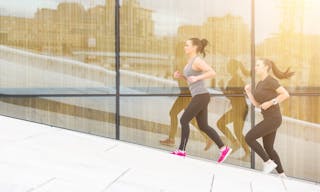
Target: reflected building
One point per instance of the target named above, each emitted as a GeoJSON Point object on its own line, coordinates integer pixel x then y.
{"type": "Point", "coordinates": [69, 27]}
{"type": "Point", "coordinates": [188, 31]}
{"type": "Point", "coordinates": [17, 31]}
{"type": "Point", "coordinates": [137, 31]}
{"type": "Point", "coordinates": [136, 21]}
{"type": "Point", "coordinates": [229, 35]}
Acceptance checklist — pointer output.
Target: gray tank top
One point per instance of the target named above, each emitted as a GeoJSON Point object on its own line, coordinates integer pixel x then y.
{"type": "Point", "coordinates": [197, 87]}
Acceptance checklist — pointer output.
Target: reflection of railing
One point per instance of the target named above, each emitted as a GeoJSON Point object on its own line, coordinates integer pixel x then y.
{"type": "Point", "coordinates": [122, 54]}
{"type": "Point", "coordinates": [132, 60]}
{"type": "Point", "coordinates": [82, 70]}
{"type": "Point", "coordinates": [55, 64]}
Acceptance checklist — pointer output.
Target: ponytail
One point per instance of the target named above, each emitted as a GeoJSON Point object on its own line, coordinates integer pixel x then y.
{"type": "Point", "coordinates": [279, 74]}
{"type": "Point", "coordinates": [201, 44]}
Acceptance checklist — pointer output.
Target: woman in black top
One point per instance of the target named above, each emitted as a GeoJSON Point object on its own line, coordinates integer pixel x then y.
{"type": "Point", "coordinates": [267, 96]}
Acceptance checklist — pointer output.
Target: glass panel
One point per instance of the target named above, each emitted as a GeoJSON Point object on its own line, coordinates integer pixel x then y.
{"type": "Point", "coordinates": [94, 115]}
{"type": "Point", "coordinates": [153, 35]}
{"type": "Point", "coordinates": [152, 120]}
{"type": "Point", "coordinates": [286, 33]}
{"type": "Point", "coordinates": [232, 118]}
{"type": "Point", "coordinates": [298, 138]}
{"type": "Point", "coordinates": [57, 47]}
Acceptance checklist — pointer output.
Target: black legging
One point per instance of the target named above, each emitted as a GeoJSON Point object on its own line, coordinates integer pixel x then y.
{"type": "Point", "coordinates": [197, 108]}
{"type": "Point", "coordinates": [267, 129]}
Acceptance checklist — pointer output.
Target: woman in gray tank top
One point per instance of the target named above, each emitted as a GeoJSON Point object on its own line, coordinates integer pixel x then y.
{"type": "Point", "coordinates": [195, 72]}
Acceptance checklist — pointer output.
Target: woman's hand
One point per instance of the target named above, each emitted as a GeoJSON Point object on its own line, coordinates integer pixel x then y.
{"type": "Point", "coordinates": [266, 105]}
{"type": "Point", "coordinates": [192, 79]}
{"type": "Point", "coordinates": [177, 75]}
{"type": "Point", "coordinates": [247, 88]}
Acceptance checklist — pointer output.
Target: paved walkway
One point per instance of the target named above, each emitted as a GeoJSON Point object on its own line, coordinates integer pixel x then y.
{"type": "Point", "coordinates": [40, 158]}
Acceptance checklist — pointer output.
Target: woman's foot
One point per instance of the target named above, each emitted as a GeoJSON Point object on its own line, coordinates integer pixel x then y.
{"type": "Point", "coordinates": [268, 166]}
{"type": "Point", "coordinates": [179, 153]}
{"type": "Point", "coordinates": [235, 146]}
{"type": "Point", "coordinates": [224, 153]}
{"type": "Point", "coordinates": [167, 142]}
{"type": "Point", "coordinates": [282, 176]}
{"type": "Point", "coordinates": [208, 145]}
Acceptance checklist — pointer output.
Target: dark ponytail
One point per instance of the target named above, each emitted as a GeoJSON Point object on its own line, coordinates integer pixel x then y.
{"type": "Point", "coordinates": [279, 74]}
{"type": "Point", "coordinates": [201, 44]}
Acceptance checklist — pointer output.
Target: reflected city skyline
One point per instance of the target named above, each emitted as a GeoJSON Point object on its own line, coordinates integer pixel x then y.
{"type": "Point", "coordinates": [168, 23]}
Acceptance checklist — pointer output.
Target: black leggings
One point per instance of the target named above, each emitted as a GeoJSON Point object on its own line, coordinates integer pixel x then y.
{"type": "Point", "coordinates": [267, 129]}
{"type": "Point", "coordinates": [197, 108]}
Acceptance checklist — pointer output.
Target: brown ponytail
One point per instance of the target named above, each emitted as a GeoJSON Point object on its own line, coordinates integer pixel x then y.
{"type": "Point", "coordinates": [279, 74]}
{"type": "Point", "coordinates": [201, 44]}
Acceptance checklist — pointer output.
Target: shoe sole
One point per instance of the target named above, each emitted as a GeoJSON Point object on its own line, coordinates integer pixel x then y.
{"type": "Point", "coordinates": [180, 155]}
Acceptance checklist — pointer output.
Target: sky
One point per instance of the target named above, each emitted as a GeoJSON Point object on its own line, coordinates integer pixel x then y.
{"type": "Point", "coordinates": [167, 17]}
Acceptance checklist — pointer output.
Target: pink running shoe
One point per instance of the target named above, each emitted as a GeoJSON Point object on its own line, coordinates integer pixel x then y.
{"type": "Point", "coordinates": [179, 153]}
{"type": "Point", "coordinates": [224, 154]}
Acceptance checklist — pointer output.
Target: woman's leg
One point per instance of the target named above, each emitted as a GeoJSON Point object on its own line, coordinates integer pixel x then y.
{"type": "Point", "coordinates": [204, 135]}
{"type": "Point", "coordinates": [238, 125]}
{"type": "Point", "coordinates": [225, 119]}
{"type": "Point", "coordinates": [177, 107]}
{"type": "Point", "coordinates": [202, 120]}
{"type": "Point", "coordinates": [268, 142]}
{"type": "Point", "coordinates": [265, 127]}
{"type": "Point", "coordinates": [179, 104]}
{"type": "Point", "coordinates": [190, 112]}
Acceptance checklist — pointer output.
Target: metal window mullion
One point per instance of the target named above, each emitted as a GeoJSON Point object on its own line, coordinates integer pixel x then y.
{"type": "Point", "coordinates": [252, 114]}
{"type": "Point", "coordinates": [117, 66]}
